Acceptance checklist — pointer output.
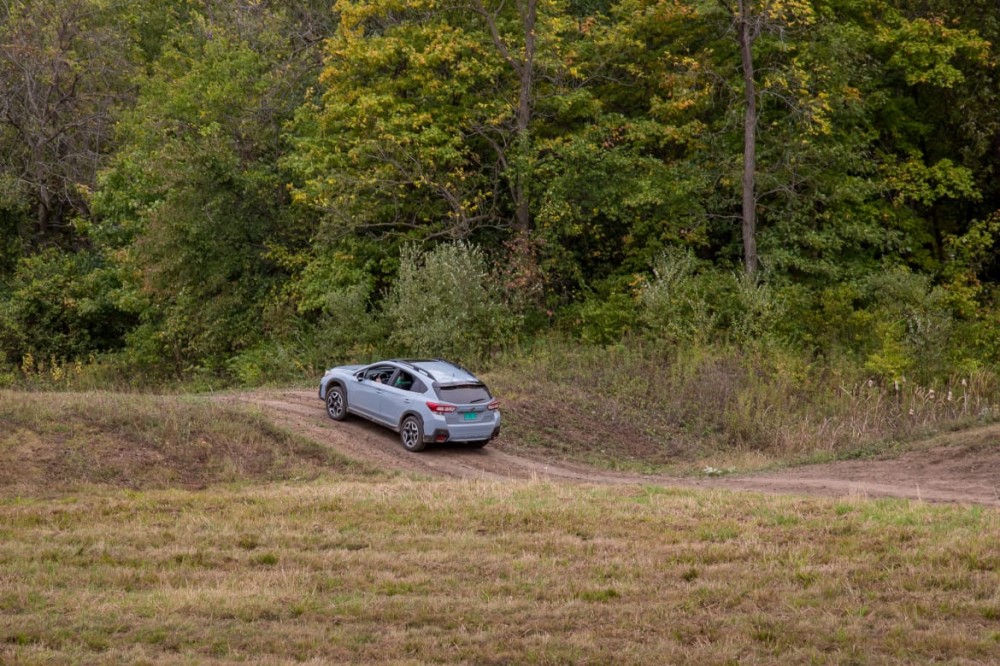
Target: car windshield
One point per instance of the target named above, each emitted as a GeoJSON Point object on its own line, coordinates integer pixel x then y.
{"type": "Point", "coordinates": [464, 394]}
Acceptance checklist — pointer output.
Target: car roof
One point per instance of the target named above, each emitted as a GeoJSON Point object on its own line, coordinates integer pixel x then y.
{"type": "Point", "coordinates": [441, 371]}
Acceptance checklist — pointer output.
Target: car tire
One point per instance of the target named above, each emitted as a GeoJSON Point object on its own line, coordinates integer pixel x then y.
{"type": "Point", "coordinates": [336, 403]}
{"type": "Point", "coordinates": [480, 443]}
{"type": "Point", "coordinates": [411, 434]}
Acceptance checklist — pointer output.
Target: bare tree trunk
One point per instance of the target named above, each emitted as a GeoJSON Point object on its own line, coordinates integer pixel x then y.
{"type": "Point", "coordinates": [42, 213]}
{"type": "Point", "coordinates": [529, 13]}
{"type": "Point", "coordinates": [746, 34]}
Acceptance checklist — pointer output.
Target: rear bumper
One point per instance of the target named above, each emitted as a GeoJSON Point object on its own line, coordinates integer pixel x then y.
{"type": "Point", "coordinates": [469, 433]}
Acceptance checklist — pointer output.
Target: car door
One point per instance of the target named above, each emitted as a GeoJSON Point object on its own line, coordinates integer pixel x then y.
{"type": "Point", "coordinates": [400, 396]}
{"type": "Point", "coordinates": [365, 395]}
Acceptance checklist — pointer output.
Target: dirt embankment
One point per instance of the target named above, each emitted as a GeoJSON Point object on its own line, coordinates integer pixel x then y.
{"type": "Point", "coordinates": [961, 467]}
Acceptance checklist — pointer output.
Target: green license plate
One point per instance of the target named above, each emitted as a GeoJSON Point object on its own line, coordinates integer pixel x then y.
{"type": "Point", "coordinates": [470, 416]}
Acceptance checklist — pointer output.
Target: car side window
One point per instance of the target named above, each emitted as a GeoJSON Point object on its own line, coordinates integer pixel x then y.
{"type": "Point", "coordinates": [407, 382]}
{"type": "Point", "coordinates": [379, 374]}
{"type": "Point", "coordinates": [403, 380]}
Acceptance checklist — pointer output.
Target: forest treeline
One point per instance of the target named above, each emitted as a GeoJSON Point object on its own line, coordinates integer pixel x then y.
{"type": "Point", "coordinates": [244, 188]}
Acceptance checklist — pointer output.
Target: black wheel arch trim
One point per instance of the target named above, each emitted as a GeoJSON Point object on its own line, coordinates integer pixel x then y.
{"type": "Point", "coordinates": [325, 388]}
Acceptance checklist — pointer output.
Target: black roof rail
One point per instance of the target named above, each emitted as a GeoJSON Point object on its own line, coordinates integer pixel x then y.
{"type": "Point", "coordinates": [410, 364]}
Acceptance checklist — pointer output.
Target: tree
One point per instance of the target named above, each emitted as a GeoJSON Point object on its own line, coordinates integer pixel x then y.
{"type": "Point", "coordinates": [751, 19]}
{"type": "Point", "coordinates": [425, 123]}
{"type": "Point", "coordinates": [194, 210]}
{"type": "Point", "coordinates": [523, 65]}
{"type": "Point", "coordinates": [64, 68]}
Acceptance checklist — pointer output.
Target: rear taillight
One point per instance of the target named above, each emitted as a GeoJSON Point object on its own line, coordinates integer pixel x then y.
{"type": "Point", "coordinates": [494, 405]}
{"type": "Point", "coordinates": [441, 408]}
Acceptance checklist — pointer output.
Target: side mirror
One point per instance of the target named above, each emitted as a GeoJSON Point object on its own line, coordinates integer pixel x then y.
{"type": "Point", "coordinates": [360, 376]}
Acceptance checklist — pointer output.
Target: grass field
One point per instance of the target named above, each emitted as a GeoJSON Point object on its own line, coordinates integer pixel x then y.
{"type": "Point", "coordinates": [403, 571]}
{"type": "Point", "coordinates": [154, 530]}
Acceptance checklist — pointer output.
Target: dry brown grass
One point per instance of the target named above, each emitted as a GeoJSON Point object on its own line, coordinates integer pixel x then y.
{"type": "Point", "coordinates": [638, 406]}
{"type": "Point", "coordinates": [412, 572]}
{"type": "Point", "coordinates": [297, 557]}
{"type": "Point", "coordinates": [53, 442]}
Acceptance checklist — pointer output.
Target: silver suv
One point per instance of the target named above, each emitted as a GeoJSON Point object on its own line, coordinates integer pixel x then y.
{"type": "Point", "coordinates": [423, 400]}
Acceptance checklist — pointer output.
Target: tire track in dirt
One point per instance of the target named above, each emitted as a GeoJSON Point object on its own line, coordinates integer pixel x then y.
{"type": "Point", "coordinates": [956, 468]}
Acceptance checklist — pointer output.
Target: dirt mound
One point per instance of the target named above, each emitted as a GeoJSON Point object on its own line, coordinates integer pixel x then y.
{"type": "Point", "coordinates": [53, 442]}
{"type": "Point", "coordinates": [961, 467]}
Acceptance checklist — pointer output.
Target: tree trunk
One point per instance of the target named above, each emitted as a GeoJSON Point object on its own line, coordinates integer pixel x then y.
{"type": "Point", "coordinates": [524, 68]}
{"type": "Point", "coordinates": [749, 224]}
{"type": "Point", "coordinates": [522, 212]}
{"type": "Point", "coordinates": [42, 213]}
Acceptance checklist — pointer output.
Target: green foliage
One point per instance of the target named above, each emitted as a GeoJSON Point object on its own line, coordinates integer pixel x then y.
{"type": "Point", "coordinates": [895, 323]}
{"type": "Point", "coordinates": [606, 203]}
{"type": "Point", "coordinates": [608, 314]}
{"type": "Point", "coordinates": [343, 331]}
{"type": "Point", "coordinates": [269, 160]}
{"type": "Point", "coordinates": [676, 305]}
{"type": "Point", "coordinates": [195, 200]}
{"type": "Point", "coordinates": [921, 313]}
{"type": "Point", "coordinates": [890, 360]}
{"type": "Point", "coordinates": [445, 303]}
{"type": "Point", "coordinates": [686, 303]}
{"type": "Point", "coordinates": [926, 49]}
{"type": "Point", "coordinates": [270, 362]}
{"type": "Point", "coordinates": [60, 305]}
{"type": "Point", "coordinates": [392, 148]}
{"type": "Point", "coordinates": [606, 320]}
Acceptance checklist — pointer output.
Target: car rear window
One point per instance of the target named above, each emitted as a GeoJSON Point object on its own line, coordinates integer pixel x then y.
{"type": "Point", "coordinates": [464, 394]}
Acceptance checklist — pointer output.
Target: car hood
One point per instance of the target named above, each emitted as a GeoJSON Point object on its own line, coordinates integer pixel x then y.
{"type": "Point", "coordinates": [346, 368]}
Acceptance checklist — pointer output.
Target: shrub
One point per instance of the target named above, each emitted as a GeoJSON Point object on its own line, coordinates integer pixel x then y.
{"type": "Point", "coordinates": [758, 311]}
{"type": "Point", "coordinates": [919, 313]}
{"type": "Point", "coordinates": [605, 320]}
{"type": "Point", "coordinates": [445, 303]}
{"type": "Point", "coordinates": [61, 305]}
{"type": "Point", "coordinates": [344, 331]}
{"type": "Point", "coordinates": [686, 303]}
{"type": "Point", "coordinates": [675, 303]}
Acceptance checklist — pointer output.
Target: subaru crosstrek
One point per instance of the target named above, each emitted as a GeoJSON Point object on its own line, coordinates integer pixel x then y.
{"type": "Point", "coordinates": [423, 400]}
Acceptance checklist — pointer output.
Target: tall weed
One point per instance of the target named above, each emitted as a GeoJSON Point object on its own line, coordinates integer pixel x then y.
{"type": "Point", "coordinates": [689, 402]}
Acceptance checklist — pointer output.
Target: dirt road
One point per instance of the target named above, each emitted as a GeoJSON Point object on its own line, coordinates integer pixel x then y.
{"type": "Point", "coordinates": [961, 467]}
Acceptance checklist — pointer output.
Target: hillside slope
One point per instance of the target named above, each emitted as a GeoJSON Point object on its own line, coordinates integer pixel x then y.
{"type": "Point", "coordinates": [961, 467]}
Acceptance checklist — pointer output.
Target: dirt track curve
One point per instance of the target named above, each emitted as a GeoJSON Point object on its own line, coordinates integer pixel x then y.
{"type": "Point", "coordinates": [962, 468]}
